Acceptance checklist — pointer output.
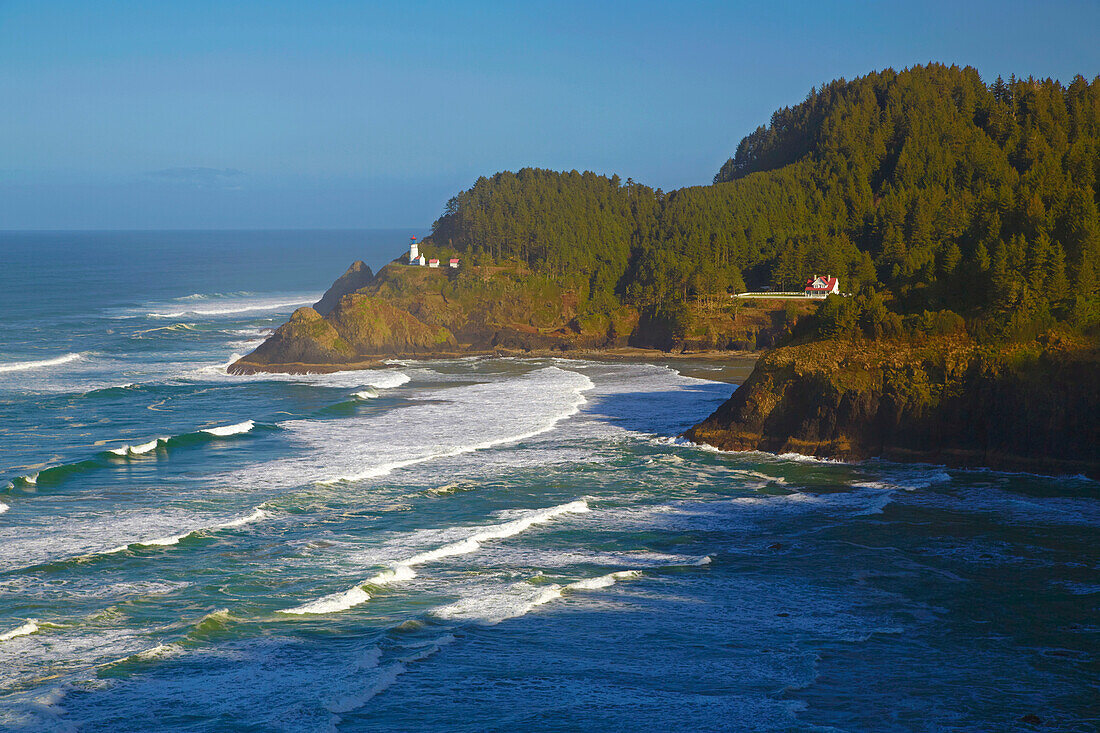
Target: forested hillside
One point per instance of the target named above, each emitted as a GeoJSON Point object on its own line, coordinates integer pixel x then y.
{"type": "Point", "coordinates": [929, 186]}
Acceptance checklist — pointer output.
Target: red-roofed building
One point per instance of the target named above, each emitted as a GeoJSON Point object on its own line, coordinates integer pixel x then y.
{"type": "Point", "coordinates": [819, 286]}
{"type": "Point", "coordinates": [433, 262]}
{"type": "Point", "coordinates": [454, 263]}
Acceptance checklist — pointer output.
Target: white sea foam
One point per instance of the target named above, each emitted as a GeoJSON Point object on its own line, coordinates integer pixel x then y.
{"type": "Point", "coordinates": [496, 605]}
{"type": "Point", "coordinates": [85, 536]}
{"type": "Point", "coordinates": [332, 603]}
{"type": "Point", "coordinates": [20, 366]}
{"type": "Point", "coordinates": [386, 380]}
{"type": "Point", "coordinates": [493, 406]}
{"type": "Point", "coordinates": [256, 515]}
{"type": "Point", "coordinates": [457, 420]}
{"type": "Point", "coordinates": [3, 507]}
{"type": "Point", "coordinates": [366, 394]}
{"type": "Point", "coordinates": [158, 653]}
{"type": "Point", "coordinates": [403, 569]}
{"type": "Point", "coordinates": [801, 458]}
{"type": "Point", "coordinates": [148, 447]}
{"type": "Point", "coordinates": [30, 627]}
{"type": "Point", "coordinates": [795, 457]}
{"type": "Point", "coordinates": [907, 480]}
{"type": "Point", "coordinates": [241, 427]}
{"type": "Point", "coordinates": [861, 501]}
{"type": "Point", "coordinates": [143, 448]}
{"type": "Point", "coordinates": [355, 379]}
{"type": "Point", "coordinates": [248, 305]}
{"type": "Point", "coordinates": [603, 581]}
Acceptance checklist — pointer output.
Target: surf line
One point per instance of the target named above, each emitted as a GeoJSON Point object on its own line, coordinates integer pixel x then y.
{"type": "Point", "coordinates": [257, 514]}
{"type": "Point", "coordinates": [53, 474]}
{"type": "Point", "coordinates": [403, 569]}
{"type": "Point", "coordinates": [20, 366]}
{"type": "Point", "coordinates": [572, 409]}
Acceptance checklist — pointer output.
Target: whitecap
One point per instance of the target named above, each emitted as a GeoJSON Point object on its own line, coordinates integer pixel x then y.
{"type": "Point", "coordinates": [519, 599]}
{"type": "Point", "coordinates": [243, 306]}
{"type": "Point", "coordinates": [534, 404]}
{"type": "Point", "coordinates": [256, 515]}
{"type": "Point", "coordinates": [492, 607]}
{"type": "Point", "coordinates": [30, 627]}
{"type": "Point", "coordinates": [158, 653]}
{"type": "Point", "coordinates": [241, 427]}
{"type": "Point", "coordinates": [403, 570]}
{"type": "Point", "coordinates": [603, 581]}
{"type": "Point", "coordinates": [143, 448]}
{"type": "Point", "coordinates": [332, 603]}
{"type": "Point", "coordinates": [19, 366]}
{"type": "Point", "coordinates": [173, 539]}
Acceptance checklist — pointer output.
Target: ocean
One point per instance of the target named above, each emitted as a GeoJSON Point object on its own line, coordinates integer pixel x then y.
{"type": "Point", "coordinates": [481, 544]}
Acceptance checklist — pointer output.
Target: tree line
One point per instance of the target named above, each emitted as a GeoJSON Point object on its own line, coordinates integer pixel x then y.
{"type": "Point", "coordinates": [927, 185]}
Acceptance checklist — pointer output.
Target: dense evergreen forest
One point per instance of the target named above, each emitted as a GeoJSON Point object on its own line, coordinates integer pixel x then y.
{"type": "Point", "coordinates": [941, 200]}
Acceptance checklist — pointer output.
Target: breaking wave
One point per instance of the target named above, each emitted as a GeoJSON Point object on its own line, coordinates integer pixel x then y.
{"type": "Point", "coordinates": [403, 570]}
{"type": "Point", "coordinates": [524, 408]}
{"type": "Point", "coordinates": [115, 389]}
{"type": "Point", "coordinates": [226, 430]}
{"type": "Point", "coordinates": [21, 366]}
{"type": "Point", "coordinates": [30, 627]}
{"type": "Point", "coordinates": [256, 515]}
{"type": "Point", "coordinates": [229, 309]}
{"type": "Point", "coordinates": [521, 598]}
{"type": "Point", "coordinates": [54, 474]}
{"type": "Point", "coordinates": [193, 438]}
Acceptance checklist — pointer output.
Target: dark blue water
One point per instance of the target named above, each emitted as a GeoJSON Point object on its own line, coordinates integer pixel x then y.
{"type": "Point", "coordinates": [478, 544]}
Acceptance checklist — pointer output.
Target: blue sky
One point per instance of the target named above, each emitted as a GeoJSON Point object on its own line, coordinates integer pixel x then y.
{"type": "Point", "coordinates": [343, 115]}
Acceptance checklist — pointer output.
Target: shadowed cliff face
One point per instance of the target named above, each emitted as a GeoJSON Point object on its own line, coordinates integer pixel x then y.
{"type": "Point", "coordinates": [1026, 408]}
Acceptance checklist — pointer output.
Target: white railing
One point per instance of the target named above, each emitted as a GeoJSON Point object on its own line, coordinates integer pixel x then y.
{"type": "Point", "coordinates": [779, 295]}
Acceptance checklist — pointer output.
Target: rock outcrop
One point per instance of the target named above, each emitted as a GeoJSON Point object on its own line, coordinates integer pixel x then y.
{"type": "Point", "coordinates": [1030, 408]}
{"type": "Point", "coordinates": [357, 276]}
{"type": "Point", "coordinates": [413, 311]}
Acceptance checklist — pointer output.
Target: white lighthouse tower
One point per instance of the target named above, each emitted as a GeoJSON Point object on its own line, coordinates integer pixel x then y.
{"type": "Point", "coordinates": [414, 252]}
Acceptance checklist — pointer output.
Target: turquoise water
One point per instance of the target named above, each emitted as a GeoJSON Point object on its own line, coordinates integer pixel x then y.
{"type": "Point", "coordinates": [478, 544]}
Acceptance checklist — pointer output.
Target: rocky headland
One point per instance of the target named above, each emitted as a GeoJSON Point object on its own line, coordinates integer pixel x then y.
{"type": "Point", "coordinates": [1029, 407]}
{"type": "Point", "coordinates": [407, 311]}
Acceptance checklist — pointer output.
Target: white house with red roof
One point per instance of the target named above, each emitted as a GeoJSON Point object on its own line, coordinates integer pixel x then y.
{"type": "Point", "coordinates": [819, 286]}
{"type": "Point", "coordinates": [454, 263]}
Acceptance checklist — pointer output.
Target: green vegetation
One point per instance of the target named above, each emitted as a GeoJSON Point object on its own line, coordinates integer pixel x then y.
{"type": "Point", "coordinates": [951, 204]}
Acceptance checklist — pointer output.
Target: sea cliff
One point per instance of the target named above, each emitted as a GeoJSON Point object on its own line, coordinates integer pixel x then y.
{"type": "Point", "coordinates": [1028, 407]}
{"type": "Point", "coordinates": [411, 311]}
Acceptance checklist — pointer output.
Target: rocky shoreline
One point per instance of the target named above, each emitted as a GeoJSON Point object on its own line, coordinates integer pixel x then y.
{"type": "Point", "coordinates": [945, 402]}
{"type": "Point", "coordinates": [624, 353]}
{"type": "Point", "coordinates": [405, 312]}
